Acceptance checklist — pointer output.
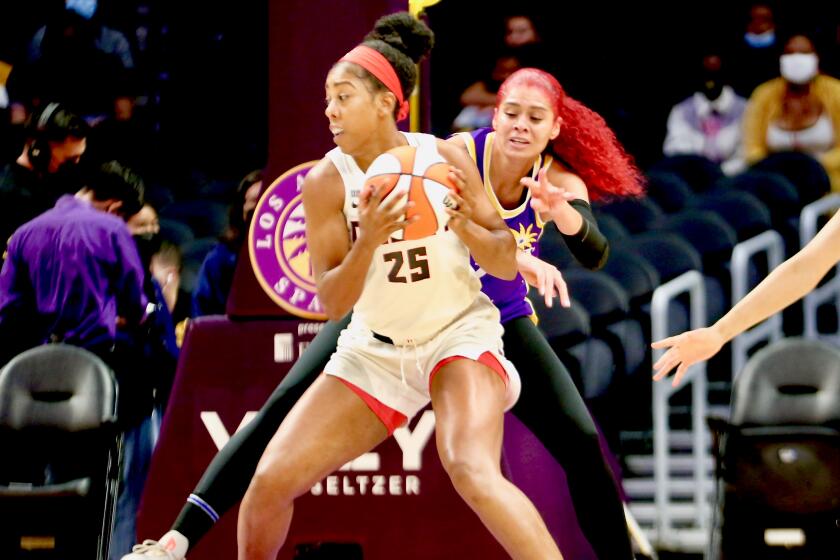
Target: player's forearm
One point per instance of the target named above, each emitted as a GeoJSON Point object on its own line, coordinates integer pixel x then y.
{"type": "Point", "coordinates": [568, 220]}
{"type": "Point", "coordinates": [340, 288]}
{"type": "Point", "coordinates": [789, 282]}
{"type": "Point", "coordinates": [493, 250]}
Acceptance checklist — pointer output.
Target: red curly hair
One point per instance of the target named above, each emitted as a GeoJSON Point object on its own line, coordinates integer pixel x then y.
{"type": "Point", "coordinates": [586, 145]}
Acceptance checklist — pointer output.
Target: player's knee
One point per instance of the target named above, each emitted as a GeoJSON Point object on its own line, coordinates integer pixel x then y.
{"type": "Point", "coordinates": [472, 476]}
{"type": "Point", "coordinates": [275, 482]}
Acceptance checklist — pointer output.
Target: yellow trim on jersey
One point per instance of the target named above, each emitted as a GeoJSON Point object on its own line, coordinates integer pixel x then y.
{"type": "Point", "coordinates": [469, 142]}
{"type": "Point", "coordinates": [533, 316]}
{"type": "Point", "coordinates": [503, 212]}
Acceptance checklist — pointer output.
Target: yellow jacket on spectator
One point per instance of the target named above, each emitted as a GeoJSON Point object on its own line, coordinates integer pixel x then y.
{"type": "Point", "coordinates": [765, 106]}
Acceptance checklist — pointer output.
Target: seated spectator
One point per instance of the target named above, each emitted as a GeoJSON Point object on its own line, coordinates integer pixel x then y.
{"type": "Point", "coordinates": [78, 61]}
{"type": "Point", "coordinates": [799, 111]}
{"type": "Point", "coordinates": [44, 170]}
{"type": "Point", "coordinates": [216, 274]}
{"type": "Point", "coordinates": [522, 46]}
{"type": "Point", "coordinates": [479, 99]}
{"type": "Point", "coordinates": [709, 122]}
{"type": "Point", "coordinates": [755, 55]}
{"type": "Point", "coordinates": [162, 267]}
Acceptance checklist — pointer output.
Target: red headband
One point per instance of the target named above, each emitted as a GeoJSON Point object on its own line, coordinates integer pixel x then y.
{"type": "Point", "coordinates": [373, 61]}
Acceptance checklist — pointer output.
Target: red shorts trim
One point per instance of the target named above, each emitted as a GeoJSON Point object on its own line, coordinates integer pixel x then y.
{"type": "Point", "coordinates": [391, 418]}
{"type": "Point", "coordinates": [487, 358]}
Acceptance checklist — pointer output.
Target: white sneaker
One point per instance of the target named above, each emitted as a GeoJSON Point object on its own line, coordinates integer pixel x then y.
{"type": "Point", "coordinates": [153, 549]}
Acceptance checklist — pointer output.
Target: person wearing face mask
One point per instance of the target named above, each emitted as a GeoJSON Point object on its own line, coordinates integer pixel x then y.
{"type": "Point", "coordinates": [216, 274]}
{"type": "Point", "coordinates": [709, 122]}
{"type": "Point", "coordinates": [162, 265]}
{"type": "Point", "coordinates": [45, 168]}
{"type": "Point", "coordinates": [798, 111]}
{"type": "Point", "coordinates": [756, 52]}
{"type": "Point", "coordinates": [73, 275]}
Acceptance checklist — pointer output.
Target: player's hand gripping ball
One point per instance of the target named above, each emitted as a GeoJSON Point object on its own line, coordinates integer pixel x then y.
{"type": "Point", "coordinates": [419, 175]}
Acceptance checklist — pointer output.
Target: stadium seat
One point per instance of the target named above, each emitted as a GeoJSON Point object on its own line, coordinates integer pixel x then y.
{"type": "Point", "coordinates": [177, 233]}
{"type": "Point", "coordinates": [781, 198]}
{"type": "Point", "coordinates": [204, 217]}
{"type": "Point", "coordinates": [670, 191]}
{"type": "Point", "coordinates": [747, 215]}
{"type": "Point", "coordinates": [635, 214]}
{"type": "Point", "coordinates": [806, 173]}
{"type": "Point", "coordinates": [61, 454]}
{"type": "Point", "coordinates": [700, 173]}
{"type": "Point", "coordinates": [778, 456]}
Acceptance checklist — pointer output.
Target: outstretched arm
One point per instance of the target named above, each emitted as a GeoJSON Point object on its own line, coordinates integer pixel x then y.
{"type": "Point", "coordinates": [562, 197]}
{"type": "Point", "coordinates": [786, 284]}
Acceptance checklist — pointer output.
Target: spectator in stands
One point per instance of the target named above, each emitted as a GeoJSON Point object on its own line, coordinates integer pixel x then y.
{"type": "Point", "coordinates": [479, 99]}
{"type": "Point", "coordinates": [522, 46]}
{"type": "Point", "coordinates": [709, 122]}
{"type": "Point", "coordinates": [216, 274]}
{"type": "Point", "coordinates": [755, 55]}
{"type": "Point", "coordinates": [75, 59]}
{"type": "Point", "coordinates": [799, 111]}
{"type": "Point", "coordinates": [55, 142]}
{"type": "Point", "coordinates": [162, 266]}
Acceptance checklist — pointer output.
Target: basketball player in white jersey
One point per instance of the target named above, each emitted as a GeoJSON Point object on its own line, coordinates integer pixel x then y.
{"type": "Point", "coordinates": [442, 342]}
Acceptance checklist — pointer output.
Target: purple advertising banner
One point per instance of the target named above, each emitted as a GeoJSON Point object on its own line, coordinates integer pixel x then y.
{"type": "Point", "coordinates": [396, 502]}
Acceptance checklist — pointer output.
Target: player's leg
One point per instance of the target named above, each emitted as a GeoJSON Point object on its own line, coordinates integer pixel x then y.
{"type": "Point", "coordinates": [329, 426]}
{"type": "Point", "coordinates": [229, 473]}
{"type": "Point", "coordinates": [469, 400]}
{"type": "Point", "coordinates": [551, 407]}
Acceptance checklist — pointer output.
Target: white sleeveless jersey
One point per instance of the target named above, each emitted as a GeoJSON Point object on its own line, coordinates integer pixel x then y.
{"type": "Point", "coordinates": [415, 288]}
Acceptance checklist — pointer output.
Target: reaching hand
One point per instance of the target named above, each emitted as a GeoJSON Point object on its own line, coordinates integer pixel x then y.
{"type": "Point", "coordinates": [546, 198]}
{"type": "Point", "coordinates": [685, 350]}
{"type": "Point", "coordinates": [459, 202]}
{"type": "Point", "coordinates": [544, 277]}
{"type": "Point", "coordinates": [378, 220]}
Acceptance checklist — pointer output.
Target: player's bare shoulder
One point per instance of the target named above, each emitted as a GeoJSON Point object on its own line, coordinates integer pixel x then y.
{"type": "Point", "coordinates": [323, 183]}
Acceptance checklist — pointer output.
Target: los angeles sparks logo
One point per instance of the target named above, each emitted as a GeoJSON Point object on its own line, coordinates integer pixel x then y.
{"type": "Point", "coordinates": [277, 245]}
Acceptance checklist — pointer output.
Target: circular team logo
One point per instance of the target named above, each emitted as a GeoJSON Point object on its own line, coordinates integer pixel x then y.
{"type": "Point", "coordinates": [277, 245]}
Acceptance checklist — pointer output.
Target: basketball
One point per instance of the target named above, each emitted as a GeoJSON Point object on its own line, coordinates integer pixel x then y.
{"type": "Point", "coordinates": [413, 174]}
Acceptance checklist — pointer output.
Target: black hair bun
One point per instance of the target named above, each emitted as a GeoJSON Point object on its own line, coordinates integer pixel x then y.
{"type": "Point", "coordinates": [405, 33]}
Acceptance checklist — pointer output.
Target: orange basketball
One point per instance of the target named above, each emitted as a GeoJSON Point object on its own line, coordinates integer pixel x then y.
{"type": "Point", "coordinates": [418, 175]}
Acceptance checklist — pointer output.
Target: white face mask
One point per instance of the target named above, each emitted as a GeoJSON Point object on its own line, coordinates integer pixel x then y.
{"type": "Point", "coordinates": [799, 68]}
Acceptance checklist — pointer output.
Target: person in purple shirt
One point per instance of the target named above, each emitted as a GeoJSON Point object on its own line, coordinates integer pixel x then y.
{"type": "Point", "coordinates": [73, 273]}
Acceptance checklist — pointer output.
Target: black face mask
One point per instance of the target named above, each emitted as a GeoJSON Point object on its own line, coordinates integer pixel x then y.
{"type": "Point", "coordinates": [147, 245]}
{"type": "Point", "coordinates": [711, 86]}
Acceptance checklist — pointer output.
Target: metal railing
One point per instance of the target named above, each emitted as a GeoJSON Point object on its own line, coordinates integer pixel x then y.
{"type": "Point", "coordinates": [771, 243]}
{"type": "Point", "coordinates": [667, 535]}
{"type": "Point", "coordinates": [830, 290]}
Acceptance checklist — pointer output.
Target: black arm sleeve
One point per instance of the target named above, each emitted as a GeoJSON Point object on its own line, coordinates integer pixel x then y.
{"type": "Point", "coordinates": [589, 246]}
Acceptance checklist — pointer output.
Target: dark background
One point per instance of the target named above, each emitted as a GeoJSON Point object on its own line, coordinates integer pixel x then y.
{"type": "Point", "coordinates": [204, 73]}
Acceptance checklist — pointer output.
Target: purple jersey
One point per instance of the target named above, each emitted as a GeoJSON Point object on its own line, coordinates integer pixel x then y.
{"type": "Point", "coordinates": [508, 295]}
